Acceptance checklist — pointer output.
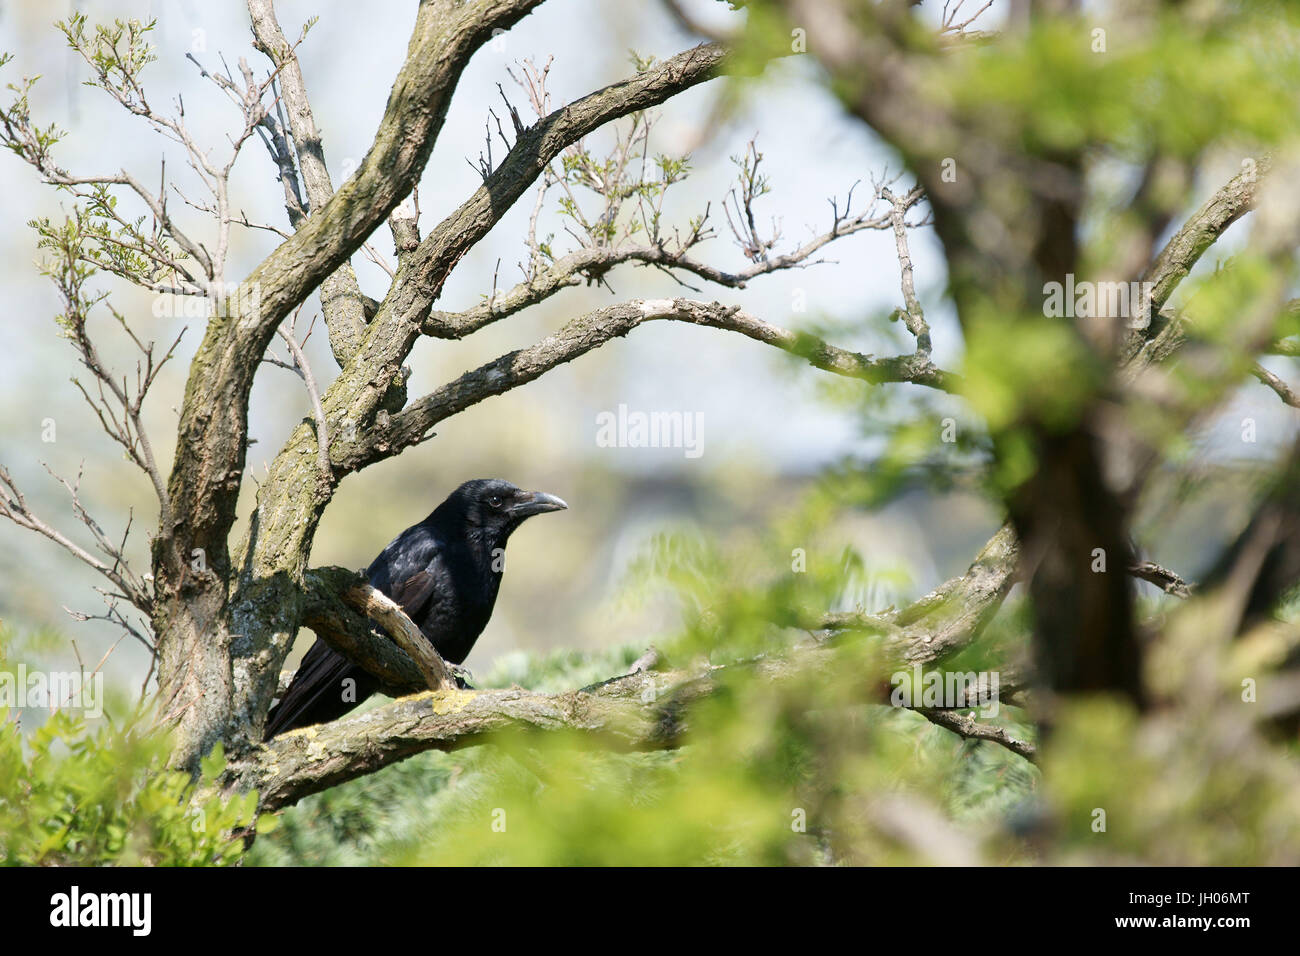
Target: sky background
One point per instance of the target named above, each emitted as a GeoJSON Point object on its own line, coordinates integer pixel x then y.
{"type": "Point", "coordinates": [767, 425]}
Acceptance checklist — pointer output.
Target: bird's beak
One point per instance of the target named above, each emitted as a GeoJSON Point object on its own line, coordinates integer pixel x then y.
{"type": "Point", "coordinates": [536, 503]}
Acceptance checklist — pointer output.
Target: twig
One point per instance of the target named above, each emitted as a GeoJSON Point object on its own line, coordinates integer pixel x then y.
{"type": "Point", "coordinates": [972, 729]}
{"type": "Point", "coordinates": [318, 411]}
{"type": "Point", "coordinates": [1163, 578]}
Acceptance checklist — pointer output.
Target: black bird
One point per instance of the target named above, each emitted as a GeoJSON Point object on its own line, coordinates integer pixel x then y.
{"type": "Point", "coordinates": [444, 572]}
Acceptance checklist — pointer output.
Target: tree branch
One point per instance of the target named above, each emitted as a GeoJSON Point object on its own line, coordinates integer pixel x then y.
{"type": "Point", "coordinates": [340, 294]}
{"type": "Point", "coordinates": [14, 507]}
{"type": "Point", "coordinates": [303, 368]}
{"type": "Point", "coordinates": [273, 554]}
{"type": "Point", "coordinates": [614, 712]}
{"type": "Point", "coordinates": [1183, 250]}
{"type": "Point", "coordinates": [1168, 581]}
{"type": "Point", "coordinates": [340, 606]}
{"type": "Point", "coordinates": [971, 729]}
{"type": "Point", "coordinates": [636, 712]}
{"type": "Point", "coordinates": [591, 262]}
{"type": "Point", "coordinates": [946, 619]}
{"type": "Point", "coordinates": [412, 425]}
{"type": "Point", "coordinates": [310, 759]}
{"type": "Point", "coordinates": [1284, 391]}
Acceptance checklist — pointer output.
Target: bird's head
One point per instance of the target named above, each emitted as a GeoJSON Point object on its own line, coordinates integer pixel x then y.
{"type": "Point", "coordinates": [494, 507]}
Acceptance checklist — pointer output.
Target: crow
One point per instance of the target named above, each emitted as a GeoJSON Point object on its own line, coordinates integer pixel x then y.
{"type": "Point", "coordinates": [444, 572]}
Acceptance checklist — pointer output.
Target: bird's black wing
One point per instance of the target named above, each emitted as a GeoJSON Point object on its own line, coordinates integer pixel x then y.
{"type": "Point", "coordinates": [404, 569]}
{"type": "Point", "coordinates": [413, 593]}
{"type": "Point", "coordinates": [317, 692]}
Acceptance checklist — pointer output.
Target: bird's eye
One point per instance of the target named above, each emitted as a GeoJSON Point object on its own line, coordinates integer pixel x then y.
{"type": "Point", "coordinates": [495, 501]}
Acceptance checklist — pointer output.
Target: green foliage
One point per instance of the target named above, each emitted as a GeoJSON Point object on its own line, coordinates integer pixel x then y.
{"type": "Point", "coordinates": [765, 779]}
{"type": "Point", "coordinates": [19, 135]}
{"type": "Point", "coordinates": [610, 198]}
{"type": "Point", "coordinates": [80, 792]}
{"type": "Point", "coordinates": [118, 54]}
{"type": "Point", "coordinates": [1185, 789]}
{"type": "Point", "coordinates": [72, 795]}
{"type": "Point", "coordinates": [1172, 81]}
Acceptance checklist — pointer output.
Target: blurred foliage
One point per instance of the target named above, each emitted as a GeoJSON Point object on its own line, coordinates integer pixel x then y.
{"type": "Point", "coordinates": [74, 793]}
{"type": "Point", "coordinates": [73, 796]}
{"type": "Point", "coordinates": [764, 780]}
{"type": "Point", "coordinates": [781, 771]}
{"type": "Point", "coordinates": [805, 769]}
{"type": "Point", "coordinates": [1189, 788]}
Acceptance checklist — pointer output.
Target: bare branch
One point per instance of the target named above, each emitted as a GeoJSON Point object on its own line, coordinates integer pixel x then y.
{"type": "Point", "coordinates": [1284, 391]}
{"type": "Point", "coordinates": [411, 426]}
{"type": "Point", "coordinates": [14, 507]}
{"type": "Point", "coordinates": [912, 315]}
{"type": "Point", "coordinates": [946, 619]}
{"type": "Point", "coordinates": [310, 759]}
{"type": "Point", "coordinates": [340, 294]}
{"type": "Point", "coordinates": [951, 10]}
{"type": "Point", "coordinates": [115, 617]}
{"type": "Point", "coordinates": [971, 729]}
{"type": "Point", "coordinates": [533, 152]}
{"type": "Point", "coordinates": [589, 263]}
{"type": "Point", "coordinates": [340, 606]}
{"type": "Point", "coordinates": [1183, 250]}
{"type": "Point", "coordinates": [303, 369]}
{"type": "Point", "coordinates": [1168, 581]}
{"type": "Point", "coordinates": [744, 227]}
{"type": "Point", "coordinates": [405, 634]}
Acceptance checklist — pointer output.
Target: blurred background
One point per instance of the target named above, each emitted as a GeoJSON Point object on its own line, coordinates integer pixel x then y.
{"type": "Point", "coordinates": [769, 424]}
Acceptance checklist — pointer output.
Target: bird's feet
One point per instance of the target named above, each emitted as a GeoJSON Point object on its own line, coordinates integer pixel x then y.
{"type": "Point", "coordinates": [464, 677]}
